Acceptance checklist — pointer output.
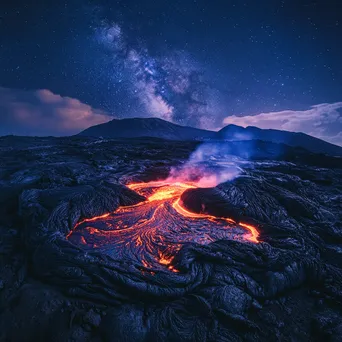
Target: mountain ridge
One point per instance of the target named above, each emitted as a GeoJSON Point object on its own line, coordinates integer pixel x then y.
{"type": "Point", "coordinates": [159, 128]}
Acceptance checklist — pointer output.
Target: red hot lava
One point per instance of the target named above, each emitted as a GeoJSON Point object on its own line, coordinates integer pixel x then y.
{"type": "Point", "coordinates": [151, 232]}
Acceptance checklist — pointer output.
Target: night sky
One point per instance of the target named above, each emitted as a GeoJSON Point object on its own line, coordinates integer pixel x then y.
{"type": "Point", "coordinates": [272, 64]}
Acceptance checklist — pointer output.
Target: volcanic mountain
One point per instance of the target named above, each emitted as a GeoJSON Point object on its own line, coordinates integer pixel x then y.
{"type": "Point", "coordinates": [233, 132]}
{"type": "Point", "coordinates": [147, 127]}
{"type": "Point", "coordinates": [158, 128]}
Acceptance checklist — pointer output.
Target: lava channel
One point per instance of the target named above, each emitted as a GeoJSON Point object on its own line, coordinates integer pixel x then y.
{"type": "Point", "coordinates": [152, 232]}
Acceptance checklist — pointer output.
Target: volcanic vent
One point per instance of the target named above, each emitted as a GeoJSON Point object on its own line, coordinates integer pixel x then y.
{"type": "Point", "coordinates": [152, 232]}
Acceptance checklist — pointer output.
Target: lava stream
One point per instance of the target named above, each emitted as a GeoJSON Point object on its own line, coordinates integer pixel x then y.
{"type": "Point", "coordinates": [150, 233]}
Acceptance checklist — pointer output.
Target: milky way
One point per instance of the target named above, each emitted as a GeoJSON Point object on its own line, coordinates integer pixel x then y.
{"type": "Point", "coordinates": [171, 87]}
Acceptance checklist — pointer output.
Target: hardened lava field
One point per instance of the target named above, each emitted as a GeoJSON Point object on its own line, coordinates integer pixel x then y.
{"type": "Point", "coordinates": [150, 233]}
{"type": "Point", "coordinates": [86, 258]}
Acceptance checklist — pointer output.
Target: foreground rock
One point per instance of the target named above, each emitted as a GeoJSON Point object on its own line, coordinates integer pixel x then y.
{"type": "Point", "coordinates": [287, 287]}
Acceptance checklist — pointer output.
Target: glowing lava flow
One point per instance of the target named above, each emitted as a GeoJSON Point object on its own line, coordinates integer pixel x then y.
{"type": "Point", "coordinates": [150, 233]}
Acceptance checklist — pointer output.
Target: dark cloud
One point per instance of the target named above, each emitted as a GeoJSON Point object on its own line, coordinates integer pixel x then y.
{"type": "Point", "coordinates": [41, 113]}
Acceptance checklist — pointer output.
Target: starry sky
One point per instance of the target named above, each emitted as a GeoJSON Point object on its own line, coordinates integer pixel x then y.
{"type": "Point", "coordinates": [274, 64]}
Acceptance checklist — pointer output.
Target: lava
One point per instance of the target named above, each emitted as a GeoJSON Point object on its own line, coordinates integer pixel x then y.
{"type": "Point", "coordinates": [152, 232]}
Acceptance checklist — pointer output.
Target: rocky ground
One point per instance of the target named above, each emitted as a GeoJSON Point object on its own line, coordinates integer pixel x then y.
{"type": "Point", "coordinates": [287, 287]}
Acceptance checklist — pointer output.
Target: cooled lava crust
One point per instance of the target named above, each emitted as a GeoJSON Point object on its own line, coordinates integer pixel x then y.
{"type": "Point", "coordinates": [80, 262]}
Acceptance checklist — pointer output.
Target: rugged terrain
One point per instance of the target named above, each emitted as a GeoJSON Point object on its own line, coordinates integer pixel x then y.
{"type": "Point", "coordinates": [284, 285]}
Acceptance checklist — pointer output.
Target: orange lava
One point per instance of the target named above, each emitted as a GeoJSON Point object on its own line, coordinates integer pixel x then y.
{"type": "Point", "coordinates": [154, 230]}
{"type": "Point", "coordinates": [95, 218]}
{"type": "Point", "coordinates": [175, 190]}
{"type": "Point", "coordinates": [165, 191]}
{"type": "Point", "coordinates": [253, 233]}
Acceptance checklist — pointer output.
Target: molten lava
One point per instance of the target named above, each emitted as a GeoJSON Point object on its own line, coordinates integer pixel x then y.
{"type": "Point", "coordinates": [150, 233]}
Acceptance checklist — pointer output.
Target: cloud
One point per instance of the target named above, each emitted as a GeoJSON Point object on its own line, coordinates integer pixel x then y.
{"type": "Point", "coordinates": [323, 121]}
{"type": "Point", "coordinates": [41, 113]}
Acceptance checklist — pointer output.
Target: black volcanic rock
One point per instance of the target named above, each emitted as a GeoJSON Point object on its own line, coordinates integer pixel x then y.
{"type": "Point", "coordinates": [288, 287]}
{"type": "Point", "coordinates": [148, 127]}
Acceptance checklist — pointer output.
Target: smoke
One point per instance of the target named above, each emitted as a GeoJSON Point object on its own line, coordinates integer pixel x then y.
{"type": "Point", "coordinates": [209, 165]}
{"type": "Point", "coordinates": [171, 87]}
